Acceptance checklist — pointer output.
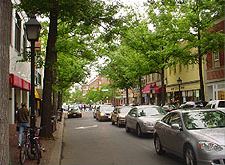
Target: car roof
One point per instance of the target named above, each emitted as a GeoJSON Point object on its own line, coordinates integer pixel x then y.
{"type": "Point", "coordinates": [193, 110]}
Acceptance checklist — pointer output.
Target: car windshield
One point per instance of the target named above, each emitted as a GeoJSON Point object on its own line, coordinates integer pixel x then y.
{"type": "Point", "coordinates": [124, 110]}
{"type": "Point", "coordinates": [150, 111]}
{"type": "Point", "coordinates": [204, 119]}
{"type": "Point", "coordinates": [107, 108]}
{"type": "Point", "coordinates": [221, 104]}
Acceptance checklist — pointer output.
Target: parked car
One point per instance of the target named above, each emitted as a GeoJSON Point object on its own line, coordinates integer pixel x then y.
{"type": "Point", "coordinates": [169, 108]}
{"type": "Point", "coordinates": [118, 115]}
{"type": "Point", "coordinates": [216, 104]}
{"type": "Point", "coordinates": [141, 119]}
{"type": "Point", "coordinates": [104, 112]}
{"type": "Point", "coordinates": [74, 112]}
{"type": "Point", "coordinates": [193, 104]}
{"type": "Point", "coordinates": [95, 109]}
{"type": "Point", "coordinates": [195, 135]}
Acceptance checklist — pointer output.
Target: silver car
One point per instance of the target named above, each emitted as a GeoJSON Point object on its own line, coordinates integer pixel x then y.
{"type": "Point", "coordinates": [142, 119]}
{"type": "Point", "coordinates": [196, 135]}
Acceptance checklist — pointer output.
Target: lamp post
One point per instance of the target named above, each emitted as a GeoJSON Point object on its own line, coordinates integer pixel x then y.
{"type": "Point", "coordinates": [33, 28]}
{"type": "Point", "coordinates": [151, 94]}
{"type": "Point", "coordinates": [179, 81]}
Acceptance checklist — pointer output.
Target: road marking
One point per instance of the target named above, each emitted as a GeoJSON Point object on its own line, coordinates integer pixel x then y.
{"type": "Point", "coordinates": [93, 126]}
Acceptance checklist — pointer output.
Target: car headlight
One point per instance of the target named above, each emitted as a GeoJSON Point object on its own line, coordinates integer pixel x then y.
{"type": "Point", "coordinates": [68, 113]}
{"type": "Point", "coordinates": [148, 124]}
{"type": "Point", "coordinates": [209, 146]}
{"type": "Point", "coordinates": [102, 114]}
{"type": "Point", "coordinates": [121, 117]}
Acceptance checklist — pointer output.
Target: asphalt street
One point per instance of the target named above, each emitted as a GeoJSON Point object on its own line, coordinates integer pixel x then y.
{"type": "Point", "coordinates": [87, 141]}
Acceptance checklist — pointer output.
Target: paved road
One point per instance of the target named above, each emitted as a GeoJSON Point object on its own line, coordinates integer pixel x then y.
{"type": "Point", "coordinates": [87, 141]}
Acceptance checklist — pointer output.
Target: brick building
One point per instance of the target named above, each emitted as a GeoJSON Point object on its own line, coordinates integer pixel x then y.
{"type": "Point", "coordinates": [215, 79]}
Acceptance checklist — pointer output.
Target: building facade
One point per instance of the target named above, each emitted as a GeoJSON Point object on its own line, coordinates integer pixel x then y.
{"type": "Point", "coordinates": [20, 70]}
{"type": "Point", "coordinates": [215, 71]}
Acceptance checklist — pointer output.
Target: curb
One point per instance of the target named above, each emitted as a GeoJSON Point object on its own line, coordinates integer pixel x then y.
{"type": "Point", "coordinates": [55, 157]}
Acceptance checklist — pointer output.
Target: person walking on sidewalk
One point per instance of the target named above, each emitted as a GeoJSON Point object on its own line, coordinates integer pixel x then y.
{"type": "Point", "coordinates": [23, 120]}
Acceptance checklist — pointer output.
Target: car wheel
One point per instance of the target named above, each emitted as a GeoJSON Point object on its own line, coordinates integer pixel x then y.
{"type": "Point", "coordinates": [158, 146]}
{"type": "Point", "coordinates": [117, 122]}
{"type": "Point", "coordinates": [138, 129]}
{"type": "Point", "coordinates": [127, 128]}
{"type": "Point", "coordinates": [189, 156]}
{"type": "Point", "coordinates": [112, 121]}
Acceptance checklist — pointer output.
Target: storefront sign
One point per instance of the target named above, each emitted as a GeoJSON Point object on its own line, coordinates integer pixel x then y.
{"type": "Point", "coordinates": [18, 82]}
{"type": "Point", "coordinates": [197, 93]}
{"type": "Point", "coordinates": [15, 81]}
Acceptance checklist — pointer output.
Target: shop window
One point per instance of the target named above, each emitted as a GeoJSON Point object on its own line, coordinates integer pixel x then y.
{"type": "Point", "coordinates": [17, 33]}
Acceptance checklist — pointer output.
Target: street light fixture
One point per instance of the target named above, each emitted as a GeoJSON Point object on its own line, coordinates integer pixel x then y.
{"type": "Point", "coordinates": [179, 81]}
{"type": "Point", "coordinates": [33, 28]}
{"type": "Point", "coordinates": [151, 95]}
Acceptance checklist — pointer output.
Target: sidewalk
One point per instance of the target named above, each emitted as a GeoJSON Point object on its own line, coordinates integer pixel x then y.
{"type": "Point", "coordinates": [52, 154]}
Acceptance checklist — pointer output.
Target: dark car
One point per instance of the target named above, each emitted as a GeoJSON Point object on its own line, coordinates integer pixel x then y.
{"type": "Point", "coordinates": [74, 113]}
{"type": "Point", "coordinates": [118, 115]}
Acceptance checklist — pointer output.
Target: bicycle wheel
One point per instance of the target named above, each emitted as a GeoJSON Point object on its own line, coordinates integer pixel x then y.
{"type": "Point", "coordinates": [37, 152]}
{"type": "Point", "coordinates": [29, 149]}
{"type": "Point", "coordinates": [23, 153]}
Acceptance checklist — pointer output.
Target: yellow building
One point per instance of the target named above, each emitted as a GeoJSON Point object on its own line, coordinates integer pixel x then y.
{"type": "Point", "coordinates": [189, 87]}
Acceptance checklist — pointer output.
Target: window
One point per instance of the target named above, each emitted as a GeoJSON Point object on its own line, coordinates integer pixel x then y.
{"type": "Point", "coordinates": [175, 69]}
{"type": "Point", "coordinates": [17, 32]}
{"type": "Point", "coordinates": [175, 119]}
{"type": "Point", "coordinates": [170, 71]}
{"type": "Point", "coordinates": [24, 47]}
{"type": "Point", "coordinates": [180, 67]}
{"type": "Point", "coordinates": [216, 57]}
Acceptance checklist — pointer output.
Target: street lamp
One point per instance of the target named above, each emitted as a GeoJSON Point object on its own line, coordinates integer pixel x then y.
{"type": "Point", "coordinates": [33, 28]}
{"type": "Point", "coordinates": [179, 81]}
{"type": "Point", "coordinates": [151, 96]}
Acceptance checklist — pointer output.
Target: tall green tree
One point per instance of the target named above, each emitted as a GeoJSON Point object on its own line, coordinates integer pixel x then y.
{"type": "Point", "coordinates": [199, 17]}
{"type": "Point", "coordinates": [86, 14]}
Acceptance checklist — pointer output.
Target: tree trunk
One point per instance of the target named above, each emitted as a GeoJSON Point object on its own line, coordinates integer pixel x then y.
{"type": "Point", "coordinates": [140, 85]}
{"type": "Point", "coordinates": [5, 35]}
{"type": "Point", "coordinates": [127, 96]}
{"type": "Point", "coordinates": [48, 78]}
{"type": "Point", "coordinates": [202, 93]}
{"type": "Point", "coordinates": [60, 99]}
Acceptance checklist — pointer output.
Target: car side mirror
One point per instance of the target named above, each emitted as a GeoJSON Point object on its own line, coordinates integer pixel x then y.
{"type": "Point", "coordinates": [176, 127]}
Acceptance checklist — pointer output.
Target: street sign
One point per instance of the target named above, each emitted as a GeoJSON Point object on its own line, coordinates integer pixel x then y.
{"type": "Point", "coordinates": [105, 90]}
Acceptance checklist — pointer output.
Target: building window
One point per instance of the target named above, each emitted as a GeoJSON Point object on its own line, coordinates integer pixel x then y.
{"type": "Point", "coordinates": [180, 68]}
{"type": "Point", "coordinates": [17, 32]}
{"type": "Point", "coordinates": [38, 78]}
{"type": "Point", "coordinates": [216, 57]}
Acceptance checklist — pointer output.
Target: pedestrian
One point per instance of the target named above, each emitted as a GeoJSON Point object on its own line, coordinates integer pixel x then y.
{"type": "Point", "coordinates": [22, 120]}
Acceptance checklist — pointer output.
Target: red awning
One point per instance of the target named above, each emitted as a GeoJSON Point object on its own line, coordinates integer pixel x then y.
{"type": "Point", "coordinates": [158, 89]}
{"type": "Point", "coordinates": [147, 89]}
{"type": "Point", "coordinates": [18, 82]}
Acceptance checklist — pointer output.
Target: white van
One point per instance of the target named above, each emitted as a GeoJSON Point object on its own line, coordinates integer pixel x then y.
{"type": "Point", "coordinates": [216, 104]}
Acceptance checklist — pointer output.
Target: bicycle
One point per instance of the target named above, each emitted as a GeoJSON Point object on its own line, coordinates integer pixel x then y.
{"type": "Point", "coordinates": [27, 150]}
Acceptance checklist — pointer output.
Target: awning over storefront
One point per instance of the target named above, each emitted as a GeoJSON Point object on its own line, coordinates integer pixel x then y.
{"type": "Point", "coordinates": [158, 89]}
{"type": "Point", "coordinates": [147, 89]}
{"type": "Point", "coordinates": [18, 82]}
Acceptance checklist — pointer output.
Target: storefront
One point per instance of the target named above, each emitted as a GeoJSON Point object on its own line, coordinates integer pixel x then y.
{"type": "Point", "coordinates": [19, 93]}
{"type": "Point", "coordinates": [216, 91]}
{"type": "Point", "coordinates": [189, 92]}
